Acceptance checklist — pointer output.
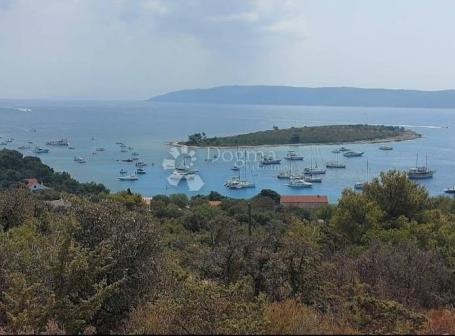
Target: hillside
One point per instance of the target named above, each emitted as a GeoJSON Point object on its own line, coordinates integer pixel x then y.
{"type": "Point", "coordinates": [324, 96]}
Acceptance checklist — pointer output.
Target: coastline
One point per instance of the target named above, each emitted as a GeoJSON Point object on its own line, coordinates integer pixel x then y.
{"type": "Point", "coordinates": [410, 135]}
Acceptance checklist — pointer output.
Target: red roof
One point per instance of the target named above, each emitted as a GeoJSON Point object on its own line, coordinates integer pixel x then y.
{"type": "Point", "coordinates": [304, 199]}
{"type": "Point", "coordinates": [31, 182]}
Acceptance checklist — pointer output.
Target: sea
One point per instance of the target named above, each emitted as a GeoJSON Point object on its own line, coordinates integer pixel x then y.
{"type": "Point", "coordinates": [149, 128]}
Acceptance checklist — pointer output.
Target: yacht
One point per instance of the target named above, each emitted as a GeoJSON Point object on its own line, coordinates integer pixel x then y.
{"type": "Point", "coordinates": [135, 154]}
{"type": "Point", "coordinates": [236, 183]}
{"type": "Point", "coordinates": [140, 164]}
{"type": "Point", "coordinates": [181, 174]}
{"type": "Point", "coordinates": [79, 159]}
{"type": "Point", "coordinates": [128, 178]}
{"type": "Point", "coordinates": [350, 154]}
{"type": "Point", "coordinates": [140, 171]}
{"type": "Point", "coordinates": [450, 190]}
{"type": "Point", "coordinates": [299, 183]}
{"type": "Point", "coordinates": [312, 179]}
{"type": "Point", "coordinates": [127, 160]}
{"type": "Point", "coordinates": [420, 173]}
{"type": "Point", "coordinates": [40, 150]}
{"type": "Point", "coordinates": [335, 164]}
{"type": "Point", "coordinates": [292, 155]}
{"type": "Point", "coordinates": [61, 142]}
{"type": "Point", "coordinates": [314, 171]}
{"type": "Point", "coordinates": [386, 148]}
{"type": "Point", "coordinates": [268, 160]}
{"type": "Point", "coordinates": [123, 172]}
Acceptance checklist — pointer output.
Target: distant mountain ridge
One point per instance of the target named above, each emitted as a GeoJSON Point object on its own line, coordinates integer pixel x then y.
{"type": "Point", "coordinates": [322, 96]}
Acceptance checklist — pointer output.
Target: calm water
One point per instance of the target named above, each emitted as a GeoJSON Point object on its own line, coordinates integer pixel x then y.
{"type": "Point", "coordinates": [148, 126]}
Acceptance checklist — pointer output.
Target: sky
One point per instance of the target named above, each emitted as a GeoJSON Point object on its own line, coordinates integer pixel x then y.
{"type": "Point", "coordinates": [135, 49]}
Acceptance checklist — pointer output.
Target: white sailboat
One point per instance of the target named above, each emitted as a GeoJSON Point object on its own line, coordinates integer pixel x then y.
{"type": "Point", "coordinates": [236, 183]}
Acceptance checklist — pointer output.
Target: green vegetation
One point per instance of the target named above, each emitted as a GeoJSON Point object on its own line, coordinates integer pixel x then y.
{"type": "Point", "coordinates": [381, 261]}
{"type": "Point", "coordinates": [15, 168]}
{"type": "Point", "coordinates": [307, 135]}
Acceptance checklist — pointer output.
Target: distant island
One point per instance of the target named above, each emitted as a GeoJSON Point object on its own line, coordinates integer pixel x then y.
{"type": "Point", "coordinates": [324, 96]}
{"type": "Point", "coordinates": [332, 134]}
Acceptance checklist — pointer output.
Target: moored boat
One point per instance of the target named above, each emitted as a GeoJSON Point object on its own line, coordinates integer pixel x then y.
{"type": "Point", "coordinates": [386, 148]}
{"type": "Point", "coordinates": [335, 164]}
{"type": "Point", "coordinates": [420, 172]}
{"type": "Point", "coordinates": [79, 159]}
{"type": "Point", "coordinates": [298, 183]}
{"type": "Point", "coordinates": [350, 154]}
{"type": "Point", "coordinates": [450, 190]}
{"type": "Point", "coordinates": [292, 155]}
{"type": "Point", "coordinates": [268, 160]}
{"type": "Point", "coordinates": [61, 142]}
{"type": "Point", "coordinates": [128, 178]}
{"type": "Point", "coordinates": [40, 150]}
{"type": "Point", "coordinates": [140, 171]}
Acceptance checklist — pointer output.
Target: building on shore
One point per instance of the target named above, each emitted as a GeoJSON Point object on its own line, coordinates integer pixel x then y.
{"type": "Point", "coordinates": [33, 184]}
{"type": "Point", "coordinates": [304, 201]}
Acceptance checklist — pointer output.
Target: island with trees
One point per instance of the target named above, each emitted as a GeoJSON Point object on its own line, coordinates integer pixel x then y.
{"type": "Point", "coordinates": [329, 134]}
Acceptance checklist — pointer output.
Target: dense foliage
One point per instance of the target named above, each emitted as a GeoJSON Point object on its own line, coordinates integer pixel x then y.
{"type": "Point", "coordinates": [306, 135]}
{"type": "Point", "coordinates": [381, 261]}
{"type": "Point", "coordinates": [14, 168]}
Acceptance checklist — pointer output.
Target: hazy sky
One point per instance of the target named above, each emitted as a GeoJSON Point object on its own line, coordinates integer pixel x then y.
{"type": "Point", "coordinates": [134, 49]}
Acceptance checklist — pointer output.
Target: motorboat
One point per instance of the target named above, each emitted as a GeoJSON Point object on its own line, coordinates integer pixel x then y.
{"type": "Point", "coordinates": [3, 143]}
{"type": "Point", "coordinates": [71, 148]}
{"type": "Point", "coordinates": [386, 148]}
{"type": "Point", "coordinates": [344, 149]}
{"type": "Point", "coordinates": [140, 171]}
{"type": "Point", "coordinates": [135, 154]}
{"type": "Point", "coordinates": [314, 171]}
{"type": "Point", "coordinates": [268, 160]}
{"type": "Point", "coordinates": [127, 160]}
{"type": "Point", "coordinates": [292, 155]}
{"type": "Point", "coordinates": [79, 159]}
{"type": "Point", "coordinates": [335, 164]}
{"type": "Point", "coordinates": [235, 168]}
{"type": "Point", "coordinates": [61, 142]}
{"type": "Point", "coordinates": [336, 151]}
{"type": "Point", "coordinates": [299, 183]}
{"type": "Point", "coordinates": [450, 190]}
{"type": "Point", "coordinates": [40, 150]}
{"type": "Point", "coordinates": [236, 183]}
{"type": "Point", "coordinates": [312, 179]}
{"type": "Point", "coordinates": [128, 178]}
{"type": "Point", "coordinates": [351, 154]}
{"type": "Point", "coordinates": [123, 172]}
{"type": "Point", "coordinates": [100, 149]}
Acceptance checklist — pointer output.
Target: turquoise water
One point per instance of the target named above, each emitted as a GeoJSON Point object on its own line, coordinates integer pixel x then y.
{"type": "Point", "coordinates": [148, 126]}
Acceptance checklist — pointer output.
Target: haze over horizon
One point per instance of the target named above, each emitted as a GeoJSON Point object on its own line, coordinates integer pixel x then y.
{"type": "Point", "coordinates": [122, 49]}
